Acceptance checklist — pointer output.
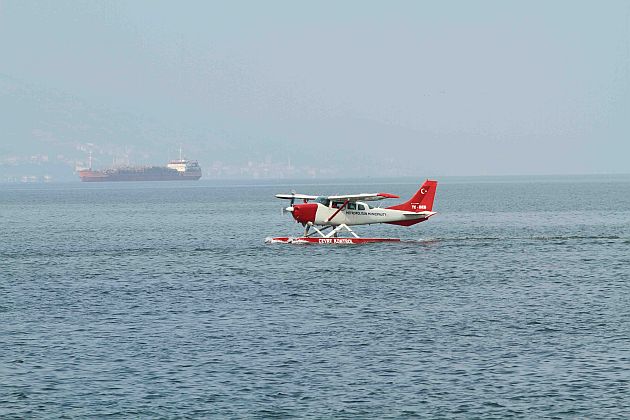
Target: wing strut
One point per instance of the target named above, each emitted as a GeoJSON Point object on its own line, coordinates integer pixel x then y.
{"type": "Point", "coordinates": [338, 210]}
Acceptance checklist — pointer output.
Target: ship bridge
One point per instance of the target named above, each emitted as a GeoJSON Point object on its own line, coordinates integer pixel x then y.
{"type": "Point", "coordinates": [178, 165]}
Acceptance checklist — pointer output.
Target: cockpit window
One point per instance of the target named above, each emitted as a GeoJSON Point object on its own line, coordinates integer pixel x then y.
{"type": "Point", "coordinates": [337, 204]}
{"type": "Point", "coordinates": [361, 206]}
{"type": "Point", "coordinates": [322, 200]}
{"type": "Point", "coordinates": [352, 206]}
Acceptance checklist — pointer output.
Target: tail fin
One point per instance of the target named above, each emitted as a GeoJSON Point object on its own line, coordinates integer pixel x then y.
{"type": "Point", "coordinates": [422, 199]}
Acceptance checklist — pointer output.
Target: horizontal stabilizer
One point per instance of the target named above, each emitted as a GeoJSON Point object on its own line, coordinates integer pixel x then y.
{"type": "Point", "coordinates": [426, 214]}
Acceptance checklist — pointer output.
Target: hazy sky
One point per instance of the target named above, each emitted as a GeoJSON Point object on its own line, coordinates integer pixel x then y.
{"type": "Point", "coordinates": [430, 87]}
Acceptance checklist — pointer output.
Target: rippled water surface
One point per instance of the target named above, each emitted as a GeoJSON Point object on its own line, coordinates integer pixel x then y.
{"type": "Point", "coordinates": [159, 300]}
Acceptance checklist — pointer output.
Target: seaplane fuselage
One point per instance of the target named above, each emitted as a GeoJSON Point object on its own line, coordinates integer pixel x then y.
{"type": "Point", "coordinates": [325, 212]}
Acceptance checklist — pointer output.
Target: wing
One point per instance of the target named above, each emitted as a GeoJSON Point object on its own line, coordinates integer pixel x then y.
{"type": "Point", "coordinates": [362, 197]}
{"type": "Point", "coordinates": [296, 196]}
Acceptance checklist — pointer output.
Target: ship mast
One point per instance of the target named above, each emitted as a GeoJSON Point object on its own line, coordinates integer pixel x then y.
{"type": "Point", "coordinates": [180, 152]}
{"type": "Point", "coordinates": [90, 160]}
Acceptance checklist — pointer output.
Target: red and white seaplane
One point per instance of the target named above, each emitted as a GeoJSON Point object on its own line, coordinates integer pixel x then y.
{"type": "Point", "coordinates": [339, 212]}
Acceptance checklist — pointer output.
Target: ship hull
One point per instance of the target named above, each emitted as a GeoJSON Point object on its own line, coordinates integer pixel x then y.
{"type": "Point", "coordinates": [140, 174]}
{"type": "Point", "coordinates": [125, 178]}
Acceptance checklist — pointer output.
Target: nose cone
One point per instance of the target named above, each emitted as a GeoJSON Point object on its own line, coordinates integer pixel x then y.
{"type": "Point", "coordinates": [304, 213]}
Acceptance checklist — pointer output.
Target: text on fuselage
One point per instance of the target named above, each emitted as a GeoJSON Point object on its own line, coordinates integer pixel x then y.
{"type": "Point", "coordinates": [365, 213]}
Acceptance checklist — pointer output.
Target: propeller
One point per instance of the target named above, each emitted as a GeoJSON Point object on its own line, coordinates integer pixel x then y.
{"type": "Point", "coordinates": [290, 208]}
{"type": "Point", "coordinates": [292, 198]}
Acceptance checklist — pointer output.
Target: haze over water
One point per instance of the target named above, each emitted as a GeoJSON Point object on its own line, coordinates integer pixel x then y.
{"type": "Point", "coordinates": [159, 300]}
{"type": "Point", "coordinates": [352, 88]}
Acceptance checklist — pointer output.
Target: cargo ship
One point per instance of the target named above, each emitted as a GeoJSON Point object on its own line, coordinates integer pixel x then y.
{"type": "Point", "coordinates": [176, 170]}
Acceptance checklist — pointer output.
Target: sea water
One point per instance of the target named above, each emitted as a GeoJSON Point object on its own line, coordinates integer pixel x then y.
{"type": "Point", "coordinates": [153, 300]}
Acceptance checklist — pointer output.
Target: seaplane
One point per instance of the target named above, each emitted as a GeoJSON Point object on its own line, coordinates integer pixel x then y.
{"type": "Point", "coordinates": [330, 217]}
